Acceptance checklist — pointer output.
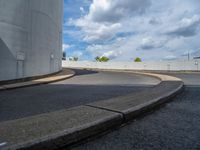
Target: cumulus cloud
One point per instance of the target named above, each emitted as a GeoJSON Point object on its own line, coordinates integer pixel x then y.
{"type": "Point", "coordinates": [154, 28]}
{"type": "Point", "coordinates": [65, 47]}
{"type": "Point", "coordinates": [115, 10]}
{"type": "Point", "coordinates": [170, 57]}
{"type": "Point", "coordinates": [186, 27]}
{"type": "Point", "coordinates": [149, 43]}
{"type": "Point", "coordinates": [196, 53]}
{"type": "Point", "coordinates": [112, 51]}
{"type": "Point", "coordinates": [77, 54]}
{"type": "Point", "coordinates": [111, 54]}
{"type": "Point", "coordinates": [154, 21]}
{"type": "Point", "coordinates": [82, 10]}
{"type": "Point", "coordinates": [103, 19]}
{"type": "Point", "coordinates": [101, 32]}
{"type": "Point", "coordinates": [95, 31]}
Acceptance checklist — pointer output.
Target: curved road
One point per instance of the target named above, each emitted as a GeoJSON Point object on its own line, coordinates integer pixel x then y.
{"type": "Point", "coordinates": [176, 126]}
{"type": "Point", "coordinates": [85, 87]}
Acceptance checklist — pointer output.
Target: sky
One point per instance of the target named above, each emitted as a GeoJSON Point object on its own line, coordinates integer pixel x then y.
{"type": "Point", "coordinates": [125, 29]}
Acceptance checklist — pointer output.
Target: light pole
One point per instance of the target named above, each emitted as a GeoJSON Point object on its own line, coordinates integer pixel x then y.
{"type": "Point", "coordinates": [188, 55]}
{"type": "Point", "coordinates": [168, 67]}
{"type": "Point", "coordinates": [197, 65]}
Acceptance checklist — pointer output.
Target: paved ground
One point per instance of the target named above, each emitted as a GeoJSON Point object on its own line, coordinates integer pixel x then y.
{"type": "Point", "coordinates": [86, 87]}
{"type": "Point", "coordinates": [189, 79]}
{"type": "Point", "coordinates": [173, 127]}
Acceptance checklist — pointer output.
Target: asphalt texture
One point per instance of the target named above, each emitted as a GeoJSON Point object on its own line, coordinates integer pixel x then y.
{"type": "Point", "coordinates": [175, 126]}
{"type": "Point", "coordinates": [85, 87]}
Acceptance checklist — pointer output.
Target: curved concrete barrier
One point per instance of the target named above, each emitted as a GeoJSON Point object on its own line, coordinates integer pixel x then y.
{"type": "Point", "coordinates": [134, 104]}
{"type": "Point", "coordinates": [64, 74]}
{"type": "Point", "coordinates": [160, 76]}
{"type": "Point", "coordinates": [65, 127]}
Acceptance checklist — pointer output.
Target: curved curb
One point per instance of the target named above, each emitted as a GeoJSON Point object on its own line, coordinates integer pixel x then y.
{"type": "Point", "coordinates": [154, 97]}
{"type": "Point", "coordinates": [65, 127]}
{"type": "Point", "coordinates": [54, 78]}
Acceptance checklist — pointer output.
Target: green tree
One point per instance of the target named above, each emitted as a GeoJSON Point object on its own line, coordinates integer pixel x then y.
{"type": "Point", "coordinates": [97, 58]}
{"type": "Point", "coordinates": [137, 59]}
{"type": "Point", "coordinates": [75, 58]}
{"type": "Point", "coordinates": [102, 59]}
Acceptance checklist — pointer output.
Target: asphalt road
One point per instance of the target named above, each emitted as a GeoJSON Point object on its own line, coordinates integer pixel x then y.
{"type": "Point", "coordinates": [86, 87]}
{"type": "Point", "coordinates": [176, 126]}
{"type": "Point", "coordinates": [190, 79]}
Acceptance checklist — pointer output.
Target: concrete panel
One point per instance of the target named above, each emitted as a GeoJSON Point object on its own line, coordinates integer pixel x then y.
{"type": "Point", "coordinates": [32, 28]}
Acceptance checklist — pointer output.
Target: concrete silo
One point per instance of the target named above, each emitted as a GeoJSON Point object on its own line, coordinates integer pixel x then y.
{"type": "Point", "coordinates": [30, 38]}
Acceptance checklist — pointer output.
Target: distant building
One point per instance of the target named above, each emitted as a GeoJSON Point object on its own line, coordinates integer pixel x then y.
{"type": "Point", "coordinates": [30, 38]}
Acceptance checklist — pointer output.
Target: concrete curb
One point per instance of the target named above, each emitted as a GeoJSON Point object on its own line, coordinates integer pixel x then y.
{"type": "Point", "coordinates": [63, 128]}
{"type": "Point", "coordinates": [131, 110]}
{"type": "Point", "coordinates": [55, 129]}
{"type": "Point", "coordinates": [64, 74]}
{"type": "Point", "coordinates": [148, 106]}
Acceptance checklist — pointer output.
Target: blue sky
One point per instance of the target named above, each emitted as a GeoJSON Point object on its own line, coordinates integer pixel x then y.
{"type": "Point", "coordinates": [125, 29]}
{"type": "Point", "coordinates": [72, 44]}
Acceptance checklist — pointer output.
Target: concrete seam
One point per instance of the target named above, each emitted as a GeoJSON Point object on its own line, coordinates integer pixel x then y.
{"type": "Point", "coordinates": [110, 110]}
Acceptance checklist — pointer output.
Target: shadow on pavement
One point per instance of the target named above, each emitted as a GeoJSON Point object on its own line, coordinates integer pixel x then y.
{"type": "Point", "coordinates": [79, 72]}
{"type": "Point", "coordinates": [30, 101]}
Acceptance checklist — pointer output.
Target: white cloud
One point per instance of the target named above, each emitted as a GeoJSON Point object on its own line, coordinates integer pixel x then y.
{"type": "Point", "coordinates": [154, 26]}
{"type": "Point", "coordinates": [196, 53]}
{"type": "Point", "coordinates": [154, 21]}
{"type": "Point", "coordinates": [112, 54]}
{"type": "Point", "coordinates": [186, 27]}
{"type": "Point", "coordinates": [170, 57]}
{"type": "Point", "coordinates": [149, 43]}
{"type": "Point", "coordinates": [95, 31]}
{"type": "Point", "coordinates": [115, 10]}
{"type": "Point", "coordinates": [82, 10]}
{"type": "Point", "coordinates": [101, 32]}
{"type": "Point", "coordinates": [65, 47]}
{"type": "Point", "coordinates": [77, 54]}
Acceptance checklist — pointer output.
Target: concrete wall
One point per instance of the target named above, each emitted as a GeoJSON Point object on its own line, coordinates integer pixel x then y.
{"type": "Point", "coordinates": [30, 37]}
{"type": "Point", "coordinates": [193, 65]}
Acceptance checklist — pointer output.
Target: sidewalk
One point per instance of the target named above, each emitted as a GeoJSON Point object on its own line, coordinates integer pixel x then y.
{"type": "Point", "coordinates": [64, 74]}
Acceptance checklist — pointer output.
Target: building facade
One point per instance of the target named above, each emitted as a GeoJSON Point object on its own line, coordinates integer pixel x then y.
{"type": "Point", "coordinates": [30, 38]}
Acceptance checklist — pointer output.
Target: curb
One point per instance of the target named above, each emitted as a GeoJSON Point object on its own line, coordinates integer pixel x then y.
{"type": "Point", "coordinates": [66, 127]}
{"type": "Point", "coordinates": [54, 78]}
{"type": "Point", "coordinates": [131, 111]}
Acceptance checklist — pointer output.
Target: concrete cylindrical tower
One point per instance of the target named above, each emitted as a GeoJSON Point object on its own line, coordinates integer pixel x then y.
{"type": "Point", "coordinates": [30, 38]}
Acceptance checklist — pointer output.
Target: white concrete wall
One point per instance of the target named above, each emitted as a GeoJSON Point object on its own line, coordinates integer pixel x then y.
{"type": "Point", "coordinates": [30, 37]}
{"type": "Point", "coordinates": [193, 65]}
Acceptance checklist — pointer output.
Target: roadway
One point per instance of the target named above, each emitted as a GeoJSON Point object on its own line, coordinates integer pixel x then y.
{"type": "Point", "coordinates": [85, 87]}
{"type": "Point", "coordinates": [172, 127]}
